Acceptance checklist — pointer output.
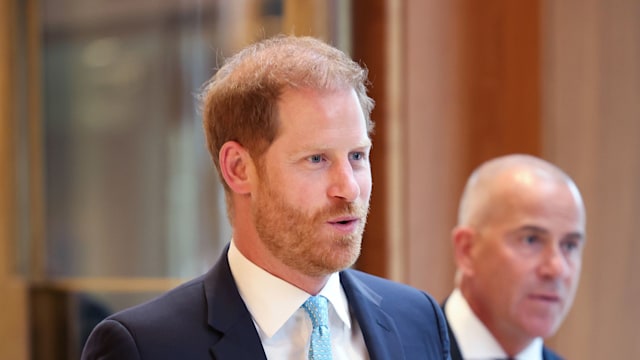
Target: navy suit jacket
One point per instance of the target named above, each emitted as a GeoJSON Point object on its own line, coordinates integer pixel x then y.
{"type": "Point", "coordinates": [206, 318]}
{"type": "Point", "coordinates": [547, 354]}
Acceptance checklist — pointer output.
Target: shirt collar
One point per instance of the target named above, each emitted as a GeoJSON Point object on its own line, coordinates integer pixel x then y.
{"type": "Point", "coordinates": [474, 339]}
{"type": "Point", "coordinates": [271, 300]}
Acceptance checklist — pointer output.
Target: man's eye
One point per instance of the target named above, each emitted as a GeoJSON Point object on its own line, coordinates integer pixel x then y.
{"type": "Point", "coordinates": [569, 246]}
{"type": "Point", "coordinates": [315, 158]}
{"type": "Point", "coordinates": [357, 156]}
{"type": "Point", "coordinates": [530, 239]}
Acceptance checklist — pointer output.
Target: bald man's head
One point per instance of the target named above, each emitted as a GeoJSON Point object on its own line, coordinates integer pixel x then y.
{"type": "Point", "coordinates": [505, 177]}
{"type": "Point", "coordinates": [518, 247]}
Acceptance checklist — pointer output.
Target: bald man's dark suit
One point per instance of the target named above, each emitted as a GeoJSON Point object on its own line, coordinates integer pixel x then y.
{"type": "Point", "coordinates": [207, 319]}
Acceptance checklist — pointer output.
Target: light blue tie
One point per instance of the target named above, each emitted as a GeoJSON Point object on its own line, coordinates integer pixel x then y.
{"type": "Point", "coordinates": [318, 310]}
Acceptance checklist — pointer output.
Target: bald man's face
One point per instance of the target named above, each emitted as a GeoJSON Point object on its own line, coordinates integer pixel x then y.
{"type": "Point", "coordinates": [525, 259]}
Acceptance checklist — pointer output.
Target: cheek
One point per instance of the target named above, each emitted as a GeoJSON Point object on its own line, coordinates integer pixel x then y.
{"type": "Point", "coordinates": [365, 188]}
{"type": "Point", "coordinates": [500, 268]}
{"type": "Point", "coordinates": [574, 273]}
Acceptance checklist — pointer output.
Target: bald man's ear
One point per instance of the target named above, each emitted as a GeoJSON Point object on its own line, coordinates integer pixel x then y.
{"type": "Point", "coordinates": [236, 167]}
{"type": "Point", "coordinates": [463, 240]}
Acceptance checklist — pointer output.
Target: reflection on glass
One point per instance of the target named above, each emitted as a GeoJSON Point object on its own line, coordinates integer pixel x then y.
{"type": "Point", "coordinates": [22, 148]}
{"type": "Point", "coordinates": [62, 320]}
{"type": "Point", "coordinates": [131, 190]}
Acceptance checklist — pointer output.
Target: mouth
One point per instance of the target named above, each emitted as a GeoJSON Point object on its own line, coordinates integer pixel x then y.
{"type": "Point", "coordinates": [345, 223]}
{"type": "Point", "coordinates": [344, 220]}
{"type": "Point", "coordinates": [546, 297]}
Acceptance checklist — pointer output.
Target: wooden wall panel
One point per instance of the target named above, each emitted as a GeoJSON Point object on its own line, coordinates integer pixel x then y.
{"type": "Point", "coordinates": [8, 181]}
{"type": "Point", "coordinates": [472, 93]}
{"type": "Point", "coordinates": [434, 150]}
{"type": "Point", "coordinates": [591, 128]}
{"type": "Point", "coordinates": [369, 44]}
{"type": "Point", "coordinates": [555, 79]}
{"type": "Point", "coordinates": [13, 301]}
{"type": "Point", "coordinates": [500, 67]}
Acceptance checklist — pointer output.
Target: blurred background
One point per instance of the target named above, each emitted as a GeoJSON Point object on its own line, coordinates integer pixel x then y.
{"type": "Point", "coordinates": [108, 196]}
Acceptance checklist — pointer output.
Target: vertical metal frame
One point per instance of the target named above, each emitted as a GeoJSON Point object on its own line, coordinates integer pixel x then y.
{"type": "Point", "coordinates": [14, 338]}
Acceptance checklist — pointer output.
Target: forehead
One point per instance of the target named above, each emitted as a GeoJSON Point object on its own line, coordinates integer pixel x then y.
{"type": "Point", "coordinates": [309, 114]}
{"type": "Point", "coordinates": [544, 203]}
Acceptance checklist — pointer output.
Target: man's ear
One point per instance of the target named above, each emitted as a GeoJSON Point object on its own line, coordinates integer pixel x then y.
{"type": "Point", "coordinates": [236, 167]}
{"type": "Point", "coordinates": [463, 241]}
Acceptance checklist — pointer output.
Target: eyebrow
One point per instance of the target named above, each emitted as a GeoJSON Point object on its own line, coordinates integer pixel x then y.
{"type": "Point", "coordinates": [364, 145]}
{"type": "Point", "coordinates": [323, 147]}
{"type": "Point", "coordinates": [533, 228]}
{"type": "Point", "coordinates": [538, 229]}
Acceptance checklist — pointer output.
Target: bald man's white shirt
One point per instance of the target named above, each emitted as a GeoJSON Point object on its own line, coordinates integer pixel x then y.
{"type": "Point", "coordinates": [474, 339]}
{"type": "Point", "coordinates": [284, 328]}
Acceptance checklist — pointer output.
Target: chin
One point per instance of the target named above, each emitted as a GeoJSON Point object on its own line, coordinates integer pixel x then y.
{"type": "Point", "coordinates": [544, 328]}
{"type": "Point", "coordinates": [343, 261]}
{"type": "Point", "coordinates": [332, 262]}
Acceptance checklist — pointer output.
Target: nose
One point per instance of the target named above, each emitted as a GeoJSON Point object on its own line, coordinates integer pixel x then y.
{"type": "Point", "coordinates": [343, 182]}
{"type": "Point", "coordinates": [554, 263]}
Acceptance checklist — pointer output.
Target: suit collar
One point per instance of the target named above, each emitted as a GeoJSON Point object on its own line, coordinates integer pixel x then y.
{"type": "Point", "coordinates": [378, 328]}
{"type": "Point", "coordinates": [547, 354]}
{"type": "Point", "coordinates": [254, 283]}
{"type": "Point", "coordinates": [455, 350]}
{"type": "Point", "coordinates": [236, 335]}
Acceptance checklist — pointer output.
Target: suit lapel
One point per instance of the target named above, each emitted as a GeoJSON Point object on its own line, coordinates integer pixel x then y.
{"type": "Point", "coordinates": [378, 328]}
{"type": "Point", "coordinates": [547, 354]}
{"type": "Point", "coordinates": [236, 335]}
{"type": "Point", "coordinates": [455, 350]}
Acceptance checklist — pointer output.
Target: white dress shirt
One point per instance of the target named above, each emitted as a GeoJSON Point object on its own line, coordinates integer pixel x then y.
{"type": "Point", "coordinates": [474, 339]}
{"type": "Point", "coordinates": [283, 326]}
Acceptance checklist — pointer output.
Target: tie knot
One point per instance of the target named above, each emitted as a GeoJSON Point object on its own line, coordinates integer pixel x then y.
{"type": "Point", "coordinates": [318, 309]}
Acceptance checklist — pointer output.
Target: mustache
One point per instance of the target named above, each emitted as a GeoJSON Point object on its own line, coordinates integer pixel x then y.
{"type": "Point", "coordinates": [358, 210]}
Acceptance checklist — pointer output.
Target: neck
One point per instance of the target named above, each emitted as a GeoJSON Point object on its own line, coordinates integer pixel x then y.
{"type": "Point", "coordinates": [255, 252]}
{"type": "Point", "coordinates": [512, 342]}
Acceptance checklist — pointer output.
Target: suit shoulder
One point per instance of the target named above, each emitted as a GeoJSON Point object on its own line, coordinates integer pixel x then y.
{"type": "Point", "coordinates": [383, 285]}
{"type": "Point", "coordinates": [185, 301]}
{"type": "Point", "coordinates": [172, 323]}
{"type": "Point", "coordinates": [392, 291]}
{"type": "Point", "coordinates": [110, 340]}
{"type": "Point", "coordinates": [416, 314]}
{"type": "Point", "coordinates": [548, 354]}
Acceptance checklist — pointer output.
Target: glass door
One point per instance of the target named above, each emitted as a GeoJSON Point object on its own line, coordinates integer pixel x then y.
{"type": "Point", "coordinates": [120, 200]}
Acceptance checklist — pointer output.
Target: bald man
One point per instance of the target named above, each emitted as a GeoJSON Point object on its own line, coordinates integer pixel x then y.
{"type": "Point", "coordinates": [518, 251]}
